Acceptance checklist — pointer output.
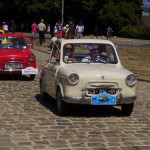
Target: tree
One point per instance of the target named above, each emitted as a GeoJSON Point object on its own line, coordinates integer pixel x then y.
{"type": "Point", "coordinates": [94, 13]}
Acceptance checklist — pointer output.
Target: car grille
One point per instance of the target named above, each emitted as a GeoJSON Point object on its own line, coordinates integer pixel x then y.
{"type": "Point", "coordinates": [94, 88]}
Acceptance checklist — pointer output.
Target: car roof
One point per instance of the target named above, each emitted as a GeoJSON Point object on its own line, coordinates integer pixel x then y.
{"type": "Point", "coordinates": [99, 41]}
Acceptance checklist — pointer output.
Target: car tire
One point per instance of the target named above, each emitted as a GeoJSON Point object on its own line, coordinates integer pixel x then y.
{"type": "Point", "coordinates": [32, 77]}
{"type": "Point", "coordinates": [127, 109]}
{"type": "Point", "coordinates": [61, 105]}
{"type": "Point", "coordinates": [44, 95]}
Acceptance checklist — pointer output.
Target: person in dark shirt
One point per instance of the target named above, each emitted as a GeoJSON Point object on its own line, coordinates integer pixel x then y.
{"type": "Point", "coordinates": [13, 27]}
{"type": "Point", "coordinates": [71, 30]}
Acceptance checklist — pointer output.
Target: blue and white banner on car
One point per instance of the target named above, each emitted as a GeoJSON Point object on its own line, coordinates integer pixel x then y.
{"type": "Point", "coordinates": [103, 99]}
{"type": "Point", "coordinates": [29, 70]}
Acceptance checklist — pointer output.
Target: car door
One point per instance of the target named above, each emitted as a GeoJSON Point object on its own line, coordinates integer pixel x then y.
{"type": "Point", "coordinates": [51, 70]}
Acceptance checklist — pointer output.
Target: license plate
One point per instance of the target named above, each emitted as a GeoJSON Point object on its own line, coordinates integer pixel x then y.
{"type": "Point", "coordinates": [103, 99]}
{"type": "Point", "coordinates": [13, 65]}
{"type": "Point", "coordinates": [98, 91]}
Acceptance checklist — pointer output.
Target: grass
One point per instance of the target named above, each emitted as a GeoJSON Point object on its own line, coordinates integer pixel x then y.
{"type": "Point", "coordinates": [135, 59]}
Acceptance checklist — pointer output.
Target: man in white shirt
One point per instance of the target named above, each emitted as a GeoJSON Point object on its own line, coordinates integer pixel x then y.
{"type": "Point", "coordinates": [79, 30]}
{"type": "Point", "coordinates": [42, 28]}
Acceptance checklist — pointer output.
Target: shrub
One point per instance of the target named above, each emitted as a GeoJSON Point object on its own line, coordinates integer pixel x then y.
{"type": "Point", "coordinates": [135, 32]}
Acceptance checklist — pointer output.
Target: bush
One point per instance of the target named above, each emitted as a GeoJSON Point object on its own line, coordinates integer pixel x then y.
{"type": "Point", "coordinates": [135, 32]}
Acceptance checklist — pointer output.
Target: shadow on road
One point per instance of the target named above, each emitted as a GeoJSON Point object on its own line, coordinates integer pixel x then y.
{"type": "Point", "coordinates": [13, 77]}
{"type": "Point", "coordinates": [82, 110]}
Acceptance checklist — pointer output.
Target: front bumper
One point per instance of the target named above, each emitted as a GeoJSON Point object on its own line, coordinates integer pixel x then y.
{"type": "Point", "coordinates": [87, 100]}
{"type": "Point", "coordinates": [24, 71]}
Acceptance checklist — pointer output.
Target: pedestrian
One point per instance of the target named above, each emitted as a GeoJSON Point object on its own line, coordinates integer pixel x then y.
{"type": "Point", "coordinates": [79, 30]}
{"type": "Point", "coordinates": [109, 33]}
{"type": "Point", "coordinates": [66, 31]}
{"type": "Point", "coordinates": [22, 27]}
{"type": "Point", "coordinates": [48, 29]}
{"type": "Point", "coordinates": [33, 30]}
{"type": "Point", "coordinates": [13, 26]}
{"type": "Point", "coordinates": [59, 30]}
{"type": "Point", "coordinates": [71, 30]}
{"type": "Point", "coordinates": [55, 29]}
{"type": "Point", "coordinates": [41, 28]}
{"type": "Point", "coordinates": [5, 27]}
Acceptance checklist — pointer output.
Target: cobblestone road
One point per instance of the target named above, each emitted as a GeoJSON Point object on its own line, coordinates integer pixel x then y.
{"type": "Point", "coordinates": [27, 123]}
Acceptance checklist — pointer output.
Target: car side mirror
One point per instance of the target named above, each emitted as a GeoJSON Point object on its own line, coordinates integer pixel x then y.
{"type": "Point", "coordinates": [53, 60]}
{"type": "Point", "coordinates": [30, 45]}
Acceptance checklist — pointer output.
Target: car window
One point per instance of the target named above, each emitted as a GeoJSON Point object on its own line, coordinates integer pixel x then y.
{"type": "Point", "coordinates": [12, 42]}
{"type": "Point", "coordinates": [55, 55]}
{"type": "Point", "coordinates": [89, 52]}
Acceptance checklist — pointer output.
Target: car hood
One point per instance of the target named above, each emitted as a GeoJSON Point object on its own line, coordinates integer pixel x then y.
{"type": "Point", "coordinates": [13, 54]}
{"type": "Point", "coordinates": [14, 51]}
{"type": "Point", "coordinates": [8, 52]}
{"type": "Point", "coordinates": [96, 71]}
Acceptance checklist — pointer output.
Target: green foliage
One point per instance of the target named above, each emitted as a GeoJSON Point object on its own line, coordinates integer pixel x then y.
{"type": "Point", "coordinates": [95, 14]}
{"type": "Point", "coordinates": [118, 14]}
{"type": "Point", "coordinates": [135, 32]}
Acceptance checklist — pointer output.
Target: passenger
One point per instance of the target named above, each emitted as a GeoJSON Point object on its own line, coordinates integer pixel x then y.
{"type": "Point", "coordinates": [68, 53]}
{"type": "Point", "coordinates": [56, 54]}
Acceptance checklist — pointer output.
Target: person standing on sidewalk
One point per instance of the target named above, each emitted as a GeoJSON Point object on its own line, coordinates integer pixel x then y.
{"type": "Point", "coordinates": [71, 30]}
{"type": "Point", "coordinates": [41, 28]}
{"type": "Point", "coordinates": [13, 27]}
{"type": "Point", "coordinates": [79, 30]}
{"type": "Point", "coordinates": [48, 29]}
{"type": "Point", "coordinates": [66, 32]}
{"type": "Point", "coordinates": [5, 27]}
{"type": "Point", "coordinates": [33, 30]}
{"type": "Point", "coordinates": [59, 30]}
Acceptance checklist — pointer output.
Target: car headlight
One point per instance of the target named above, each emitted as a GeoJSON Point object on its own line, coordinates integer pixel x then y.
{"type": "Point", "coordinates": [73, 78]}
{"type": "Point", "coordinates": [31, 57]}
{"type": "Point", "coordinates": [131, 80]}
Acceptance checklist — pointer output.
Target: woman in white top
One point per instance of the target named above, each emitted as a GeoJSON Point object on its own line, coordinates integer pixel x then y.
{"type": "Point", "coordinates": [5, 27]}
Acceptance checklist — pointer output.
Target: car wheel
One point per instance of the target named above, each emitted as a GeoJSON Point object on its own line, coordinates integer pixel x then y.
{"type": "Point", "coordinates": [127, 109]}
{"type": "Point", "coordinates": [44, 95]}
{"type": "Point", "coordinates": [32, 77]}
{"type": "Point", "coordinates": [61, 105]}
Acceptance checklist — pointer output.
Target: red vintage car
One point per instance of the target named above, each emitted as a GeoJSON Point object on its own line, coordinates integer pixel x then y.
{"type": "Point", "coordinates": [16, 56]}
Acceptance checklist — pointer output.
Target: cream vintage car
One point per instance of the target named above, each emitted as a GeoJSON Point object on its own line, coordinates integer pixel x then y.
{"type": "Point", "coordinates": [87, 72]}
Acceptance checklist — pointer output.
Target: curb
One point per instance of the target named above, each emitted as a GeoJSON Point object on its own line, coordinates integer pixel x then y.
{"type": "Point", "coordinates": [143, 79]}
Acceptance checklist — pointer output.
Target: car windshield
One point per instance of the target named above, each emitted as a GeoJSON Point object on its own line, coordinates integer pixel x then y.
{"type": "Point", "coordinates": [12, 42]}
{"type": "Point", "coordinates": [89, 53]}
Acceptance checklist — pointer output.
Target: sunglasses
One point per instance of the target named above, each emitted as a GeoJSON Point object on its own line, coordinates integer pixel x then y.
{"type": "Point", "coordinates": [95, 49]}
{"type": "Point", "coordinates": [68, 49]}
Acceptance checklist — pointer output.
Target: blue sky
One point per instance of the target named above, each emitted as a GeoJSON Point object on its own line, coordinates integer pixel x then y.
{"type": "Point", "coordinates": [146, 1]}
{"type": "Point", "coordinates": [146, 5]}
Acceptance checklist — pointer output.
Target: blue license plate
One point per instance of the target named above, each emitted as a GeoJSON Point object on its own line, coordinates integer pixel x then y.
{"type": "Point", "coordinates": [103, 99]}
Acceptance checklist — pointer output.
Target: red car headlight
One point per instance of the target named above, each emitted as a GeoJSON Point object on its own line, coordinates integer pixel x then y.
{"type": "Point", "coordinates": [31, 57]}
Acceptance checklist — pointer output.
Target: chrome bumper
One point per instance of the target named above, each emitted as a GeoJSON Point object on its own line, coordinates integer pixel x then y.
{"type": "Point", "coordinates": [87, 100]}
{"type": "Point", "coordinates": [10, 70]}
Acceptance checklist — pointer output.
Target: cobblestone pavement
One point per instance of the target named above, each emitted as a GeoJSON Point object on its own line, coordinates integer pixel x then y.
{"type": "Point", "coordinates": [27, 123]}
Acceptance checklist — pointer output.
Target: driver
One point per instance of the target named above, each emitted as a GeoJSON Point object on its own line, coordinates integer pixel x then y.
{"type": "Point", "coordinates": [96, 55]}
